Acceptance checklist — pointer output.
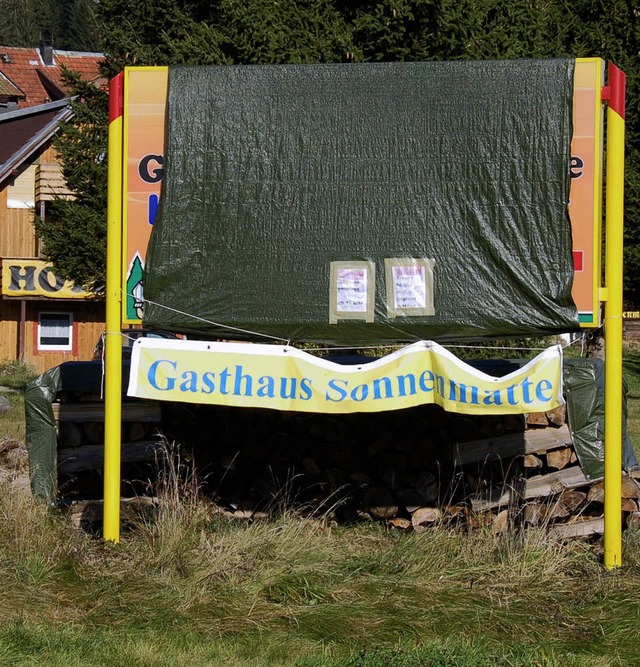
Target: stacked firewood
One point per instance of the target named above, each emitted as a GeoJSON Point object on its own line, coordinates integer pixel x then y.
{"type": "Point", "coordinates": [549, 487]}
{"type": "Point", "coordinates": [80, 452]}
{"type": "Point", "coordinates": [412, 468]}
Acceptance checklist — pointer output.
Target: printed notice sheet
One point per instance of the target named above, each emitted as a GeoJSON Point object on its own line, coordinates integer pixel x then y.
{"type": "Point", "coordinates": [352, 291]}
{"type": "Point", "coordinates": [351, 285]}
{"type": "Point", "coordinates": [409, 285]}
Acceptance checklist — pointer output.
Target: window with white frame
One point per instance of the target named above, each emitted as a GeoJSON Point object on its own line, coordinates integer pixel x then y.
{"type": "Point", "coordinates": [55, 331]}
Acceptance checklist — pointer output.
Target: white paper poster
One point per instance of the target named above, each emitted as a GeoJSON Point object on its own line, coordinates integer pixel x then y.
{"type": "Point", "coordinates": [352, 293]}
{"type": "Point", "coordinates": [352, 290]}
{"type": "Point", "coordinates": [409, 283]}
{"type": "Point", "coordinates": [409, 287]}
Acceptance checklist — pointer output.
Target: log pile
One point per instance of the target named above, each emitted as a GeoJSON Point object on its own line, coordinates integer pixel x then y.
{"type": "Point", "coordinates": [80, 454]}
{"type": "Point", "coordinates": [631, 330]}
{"type": "Point", "coordinates": [411, 469]}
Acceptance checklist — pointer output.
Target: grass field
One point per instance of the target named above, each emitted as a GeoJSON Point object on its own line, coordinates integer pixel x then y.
{"type": "Point", "coordinates": [194, 588]}
{"type": "Point", "coordinates": [13, 379]}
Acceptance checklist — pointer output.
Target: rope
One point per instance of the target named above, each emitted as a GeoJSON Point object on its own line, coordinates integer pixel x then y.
{"type": "Point", "coordinates": [211, 322]}
{"type": "Point", "coordinates": [287, 341]}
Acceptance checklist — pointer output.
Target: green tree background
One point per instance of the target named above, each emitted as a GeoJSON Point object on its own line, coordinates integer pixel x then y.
{"type": "Point", "coordinates": [160, 32]}
{"type": "Point", "coordinates": [71, 24]}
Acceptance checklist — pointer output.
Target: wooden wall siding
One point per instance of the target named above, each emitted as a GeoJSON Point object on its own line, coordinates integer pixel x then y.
{"type": "Point", "coordinates": [50, 183]}
{"type": "Point", "coordinates": [88, 320]}
{"type": "Point", "coordinates": [21, 189]}
{"type": "Point", "coordinates": [17, 233]}
{"type": "Point", "coordinates": [9, 322]}
{"type": "Point", "coordinates": [49, 155]}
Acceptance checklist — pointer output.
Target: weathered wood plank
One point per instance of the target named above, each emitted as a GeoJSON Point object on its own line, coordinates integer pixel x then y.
{"type": "Point", "coordinates": [578, 528]}
{"type": "Point", "coordinates": [554, 482]}
{"type": "Point", "coordinates": [91, 457]}
{"type": "Point", "coordinates": [512, 444]}
{"type": "Point", "coordinates": [94, 411]}
{"type": "Point", "coordinates": [490, 499]}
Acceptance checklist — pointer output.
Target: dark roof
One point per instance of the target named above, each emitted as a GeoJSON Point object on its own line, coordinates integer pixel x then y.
{"type": "Point", "coordinates": [22, 132]}
{"type": "Point", "coordinates": [36, 85]}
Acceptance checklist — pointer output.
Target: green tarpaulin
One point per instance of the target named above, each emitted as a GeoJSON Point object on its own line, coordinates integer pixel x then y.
{"type": "Point", "coordinates": [365, 203]}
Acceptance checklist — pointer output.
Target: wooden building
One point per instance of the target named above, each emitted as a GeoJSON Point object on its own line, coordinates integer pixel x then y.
{"type": "Point", "coordinates": [43, 320]}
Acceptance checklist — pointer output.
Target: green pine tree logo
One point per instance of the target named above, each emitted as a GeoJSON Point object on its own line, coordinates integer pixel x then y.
{"type": "Point", "coordinates": [135, 289]}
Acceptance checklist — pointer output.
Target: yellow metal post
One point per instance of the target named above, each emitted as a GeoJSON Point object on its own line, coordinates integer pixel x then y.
{"type": "Point", "coordinates": [113, 342]}
{"type": "Point", "coordinates": [613, 320]}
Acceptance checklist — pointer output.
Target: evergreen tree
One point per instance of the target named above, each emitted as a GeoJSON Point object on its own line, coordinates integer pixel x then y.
{"type": "Point", "coordinates": [20, 23]}
{"type": "Point", "coordinates": [71, 23]}
{"type": "Point", "coordinates": [81, 29]}
{"type": "Point", "coordinates": [62, 32]}
{"type": "Point", "coordinates": [290, 31]}
{"type": "Point", "coordinates": [74, 232]}
{"type": "Point", "coordinates": [490, 29]}
{"type": "Point", "coordinates": [160, 32]}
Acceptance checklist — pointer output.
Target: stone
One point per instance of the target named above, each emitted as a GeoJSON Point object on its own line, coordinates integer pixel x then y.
{"type": "Point", "coordinates": [5, 406]}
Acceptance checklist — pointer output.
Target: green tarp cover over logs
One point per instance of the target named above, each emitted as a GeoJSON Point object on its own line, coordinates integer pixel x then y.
{"type": "Point", "coordinates": [274, 172]}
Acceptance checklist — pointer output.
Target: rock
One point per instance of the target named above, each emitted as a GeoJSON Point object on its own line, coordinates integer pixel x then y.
{"type": "Point", "coordinates": [5, 406]}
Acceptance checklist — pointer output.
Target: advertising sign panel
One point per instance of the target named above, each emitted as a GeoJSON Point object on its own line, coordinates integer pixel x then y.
{"type": "Point", "coordinates": [145, 97]}
{"type": "Point", "coordinates": [585, 201]}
